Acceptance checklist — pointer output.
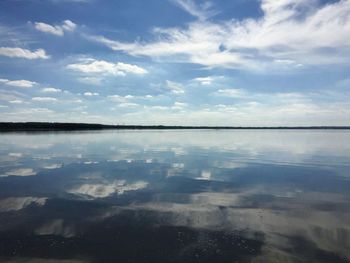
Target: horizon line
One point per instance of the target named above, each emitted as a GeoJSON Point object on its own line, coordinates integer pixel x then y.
{"type": "Point", "coordinates": [47, 126]}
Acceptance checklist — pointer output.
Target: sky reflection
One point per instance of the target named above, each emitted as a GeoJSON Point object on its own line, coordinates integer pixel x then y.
{"type": "Point", "coordinates": [247, 196]}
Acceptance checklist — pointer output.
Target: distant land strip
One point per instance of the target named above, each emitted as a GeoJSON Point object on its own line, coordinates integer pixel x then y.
{"type": "Point", "coordinates": [58, 126]}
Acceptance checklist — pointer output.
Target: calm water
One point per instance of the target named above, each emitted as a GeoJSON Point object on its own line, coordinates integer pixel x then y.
{"type": "Point", "coordinates": [175, 196]}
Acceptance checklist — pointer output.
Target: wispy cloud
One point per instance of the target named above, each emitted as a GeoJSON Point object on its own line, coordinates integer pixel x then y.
{"type": "Point", "coordinates": [57, 30]}
{"type": "Point", "coordinates": [290, 34]}
{"type": "Point", "coordinates": [128, 105]}
{"type": "Point", "coordinates": [179, 105]}
{"type": "Point", "coordinates": [127, 98]}
{"type": "Point", "coordinates": [232, 93]}
{"type": "Point", "coordinates": [174, 87]}
{"type": "Point", "coordinates": [204, 80]}
{"type": "Point", "coordinates": [91, 80]}
{"type": "Point", "coordinates": [16, 101]}
{"type": "Point", "coordinates": [200, 11]}
{"type": "Point", "coordinates": [16, 52]}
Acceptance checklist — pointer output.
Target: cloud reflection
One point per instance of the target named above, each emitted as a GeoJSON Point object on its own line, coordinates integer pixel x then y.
{"type": "Point", "coordinates": [104, 190]}
{"type": "Point", "coordinates": [18, 203]}
{"type": "Point", "coordinates": [269, 196]}
{"type": "Point", "coordinates": [20, 172]}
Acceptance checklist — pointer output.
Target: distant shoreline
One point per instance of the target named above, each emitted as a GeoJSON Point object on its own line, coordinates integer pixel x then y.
{"type": "Point", "coordinates": [56, 126]}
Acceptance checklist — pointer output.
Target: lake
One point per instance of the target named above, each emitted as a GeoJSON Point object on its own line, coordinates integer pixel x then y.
{"type": "Point", "coordinates": [175, 196]}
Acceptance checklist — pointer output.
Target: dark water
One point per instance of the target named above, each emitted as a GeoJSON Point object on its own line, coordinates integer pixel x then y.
{"type": "Point", "coordinates": [175, 196]}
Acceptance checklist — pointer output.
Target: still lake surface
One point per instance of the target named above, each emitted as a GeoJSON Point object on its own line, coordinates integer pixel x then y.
{"type": "Point", "coordinates": [175, 196]}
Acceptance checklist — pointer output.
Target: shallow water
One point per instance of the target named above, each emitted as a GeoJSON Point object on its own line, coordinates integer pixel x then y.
{"type": "Point", "coordinates": [175, 196]}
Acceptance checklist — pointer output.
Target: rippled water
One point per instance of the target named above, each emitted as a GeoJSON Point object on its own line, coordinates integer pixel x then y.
{"type": "Point", "coordinates": [175, 196]}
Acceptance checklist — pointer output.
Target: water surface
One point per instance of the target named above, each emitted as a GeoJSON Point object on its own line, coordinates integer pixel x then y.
{"type": "Point", "coordinates": [175, 196]}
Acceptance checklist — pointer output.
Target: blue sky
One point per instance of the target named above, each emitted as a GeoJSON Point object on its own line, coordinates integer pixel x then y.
{"type": "Point", "coordinates": [183, 62]}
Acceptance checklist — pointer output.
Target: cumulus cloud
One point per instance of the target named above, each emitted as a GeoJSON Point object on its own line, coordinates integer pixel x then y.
{"type": "Point", "coordinates": [18, 83]}
{"type": "Point", "coordinates": [57, 30]}
{"type": "Point", "coordinates": [68, 25]}
{"type": "Point", "coordinates": [44, 99]}
{"type": "Point", "coordinates": [177, 106]}
{"type": "Point", "coordinates": [51, 90]}
{"type": "Point", "coordinates": [16, 52]}
{"type": "Point", "coordinates": [90, 94]}
{"type": "Point", "coordinates": [92, 66]}
{"type": "Point", "coordinates": [243, 107]}
{"type": "Point", "coordinates": [289, 34]}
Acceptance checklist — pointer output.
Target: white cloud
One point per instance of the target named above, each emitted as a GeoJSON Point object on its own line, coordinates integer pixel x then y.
{"type": "Point", "coordinates": [251, 108]}
{"type": "Point", "coordinates": [68, 25]}
{"type": "Point", "coordinates": [90, 94]}
{"type": "Point", "coordinates": [18, 83]}
{"type": "Point", "coordinates": [289, 34]}
{"type": "Point", "coordinates": [128, 105]}
{"type": "Point", "coordinates": [204, 80]}
{"type": "Point", "coordinates": [15, 52]}
{"type": "Point", "coordinates": [233, 93]}
{"type": "Point", "coordinates": [39, 110]}
{"type": "Point", "coordinates": [157, 107]}
{"type": "Point", "coordinates": [57, 30]}
{"type": "Point", "coordinates": [51, 90]}
{"type": "Point", "coordinates": [54, 30]}
{"type": "Point", "coordinates": [16, 101]}
{"type": "Point", "coordinates": [179, 105]}
{"type": "Point", "coordinates": [175, 87]}
{"type": "Point", "coordinates": [118, 98]}
{"type": "Point", "coordinates": [92, 66]}
{"type": "Point", "coordinates": [44, 99]}
{"type": "Point", "coordinates": [91, 80]}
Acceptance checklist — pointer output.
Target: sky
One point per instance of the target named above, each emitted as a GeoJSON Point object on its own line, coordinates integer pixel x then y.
{"type": "Point", "coordinates": [176, 62]}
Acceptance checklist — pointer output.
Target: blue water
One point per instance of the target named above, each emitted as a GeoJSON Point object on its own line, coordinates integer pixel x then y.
{"type": "Point", "coordinates": [175, 196]}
